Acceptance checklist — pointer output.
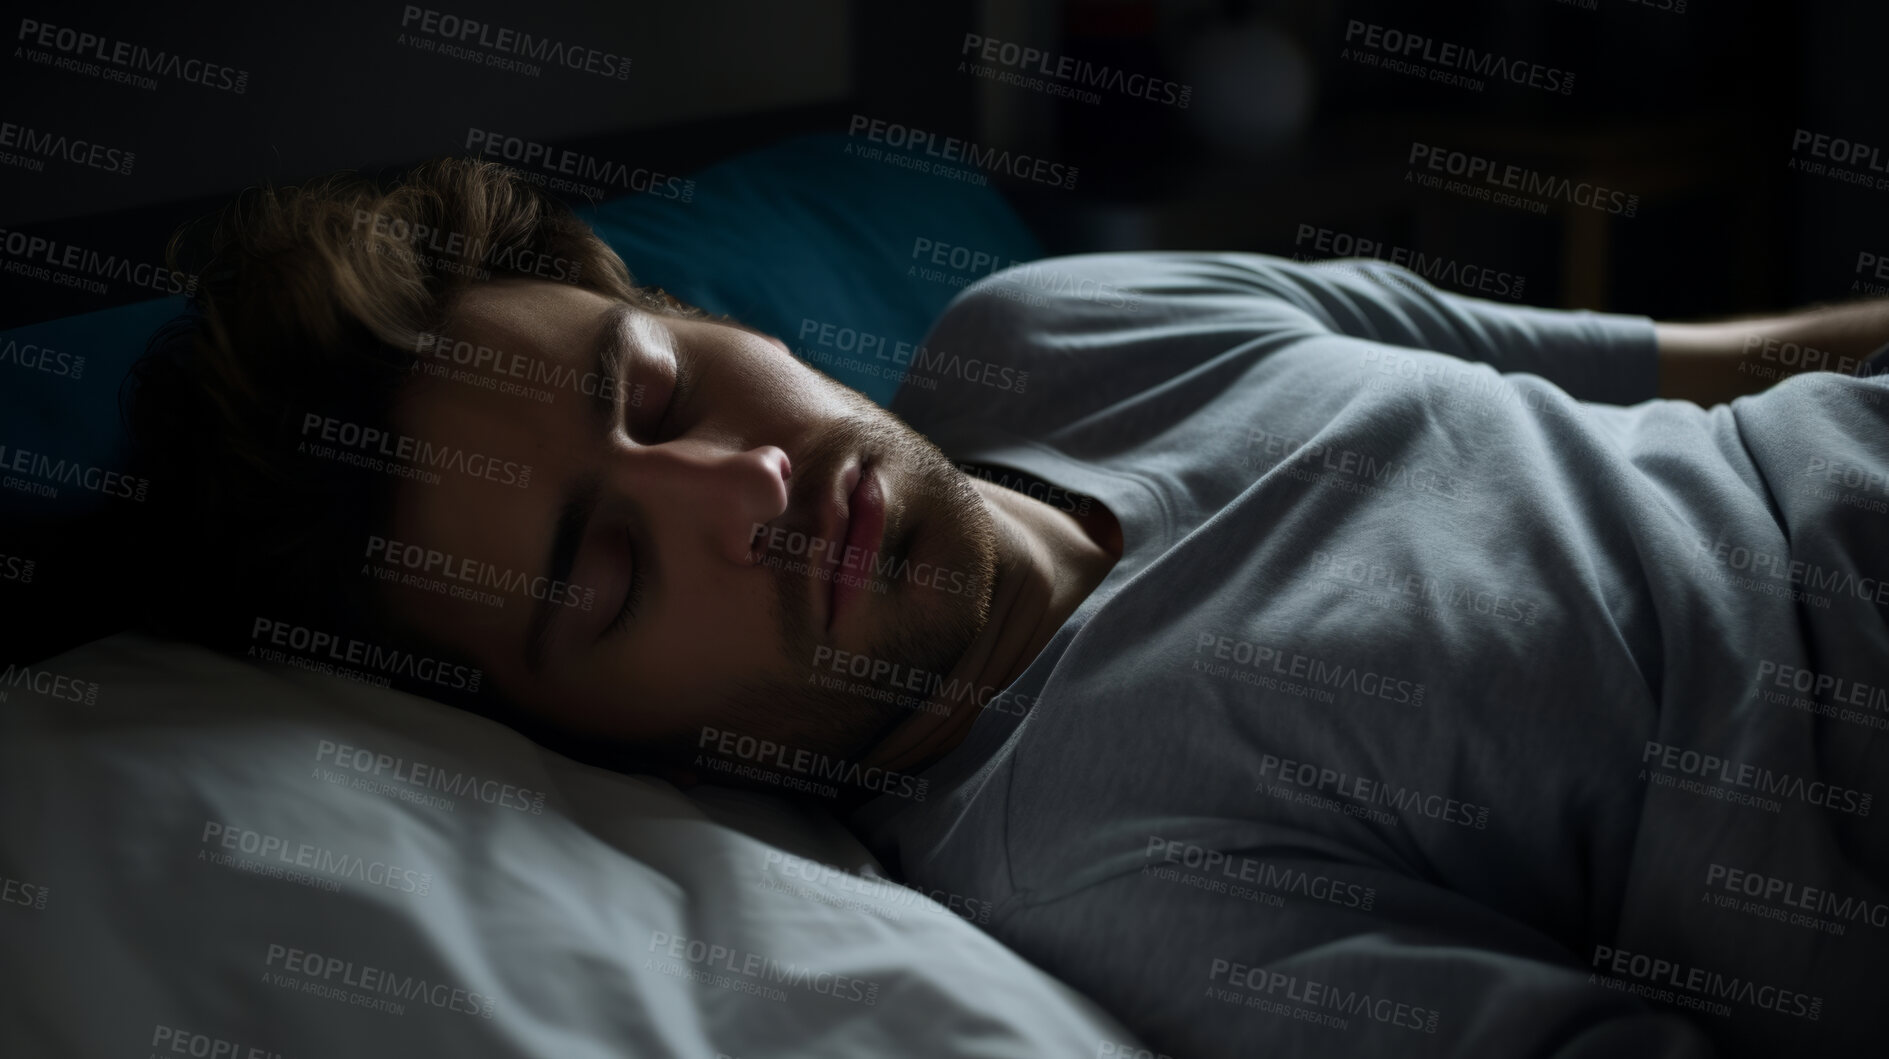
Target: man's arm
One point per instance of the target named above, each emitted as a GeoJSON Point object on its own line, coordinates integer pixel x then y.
{"type": "Point", "coordinates": [1714, 362]}
{"type": "Point", "coordinates": [1705, 362]}
{"type": "Point", "coordinates": [1604, 357]}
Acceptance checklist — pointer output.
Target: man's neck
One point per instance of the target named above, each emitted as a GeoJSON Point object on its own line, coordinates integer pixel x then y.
{"type": "Point", "coordinates": [1048, 561]}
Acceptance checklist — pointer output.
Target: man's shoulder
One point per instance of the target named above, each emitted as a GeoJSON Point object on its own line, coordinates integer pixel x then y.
{"type": "Point", "coordinates": [1052, 285]}
{"type": "Point", "coordinates": [1051, 339]}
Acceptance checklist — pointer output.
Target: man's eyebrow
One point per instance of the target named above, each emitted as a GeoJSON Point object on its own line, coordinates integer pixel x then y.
{"type": "Point", "coordinates": [574, 515]}
{"type": "Point", "coordinates": [609, 356]}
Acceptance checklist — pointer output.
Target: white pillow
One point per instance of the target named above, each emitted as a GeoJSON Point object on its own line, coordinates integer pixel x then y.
{"type": "Point", "coordinates": [204, 856]}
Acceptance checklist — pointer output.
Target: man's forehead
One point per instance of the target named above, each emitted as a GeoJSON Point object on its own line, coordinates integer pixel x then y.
{"type": "Point", "coordinates": [533, 315]}
{"type": "Point", "coordinates": [531, 336]}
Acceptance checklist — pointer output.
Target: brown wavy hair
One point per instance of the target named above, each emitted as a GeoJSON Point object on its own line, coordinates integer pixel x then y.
{"type": "Point", "coordinates": [316, 296]}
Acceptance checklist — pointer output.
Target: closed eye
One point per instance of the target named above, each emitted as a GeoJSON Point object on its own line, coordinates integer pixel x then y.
{"type": "Point", "coordinates": [658, 380]}
{"type": "Point", "coordinates": [678, 397]}
{"type": "Point", "coordinates": [632, 599]}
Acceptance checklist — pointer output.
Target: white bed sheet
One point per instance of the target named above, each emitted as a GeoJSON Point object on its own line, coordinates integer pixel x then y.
{"type": "Point", "coordinates": [228, 858]}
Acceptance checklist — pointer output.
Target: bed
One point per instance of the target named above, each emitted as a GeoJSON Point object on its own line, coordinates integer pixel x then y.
{"type": "Point", "coordinates": [206, 855]}
{"type": "Point", "coordinates": [278, 855]}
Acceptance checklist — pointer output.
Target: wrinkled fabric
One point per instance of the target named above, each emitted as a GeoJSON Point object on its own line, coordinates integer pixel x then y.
{"type": "Point", "coordinates": [1453, 696]}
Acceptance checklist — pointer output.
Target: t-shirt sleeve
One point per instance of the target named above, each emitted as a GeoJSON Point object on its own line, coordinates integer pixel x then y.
{"type": "Point", "coordinates": [1064, 341]}
{"type": "Point", "coordinates": [1162, 302]}
{"type": "Point", "coordinates": [1609, 358]}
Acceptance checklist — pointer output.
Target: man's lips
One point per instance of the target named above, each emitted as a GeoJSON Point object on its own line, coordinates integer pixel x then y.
{"type": "Point", "coordinates": [864, 526]}
{"type": "Point", "coordinates": [835, 520]}
{"type": "Point", "coordinates": [836, 513]}
{"type": "Point", "coordinates": [851, 521]}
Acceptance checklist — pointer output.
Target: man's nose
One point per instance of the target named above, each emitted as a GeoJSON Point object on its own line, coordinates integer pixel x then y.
{"type": "Point", "coordinates": [716, 492]}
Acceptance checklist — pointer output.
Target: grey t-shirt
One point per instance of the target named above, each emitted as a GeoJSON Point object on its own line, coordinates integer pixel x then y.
{"type": "Point", "coordinates": [1453, 695]}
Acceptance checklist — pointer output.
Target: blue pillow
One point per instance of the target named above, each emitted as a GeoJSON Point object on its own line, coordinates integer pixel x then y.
{"type": "Point", "coordinates": [805, 240]}
{"type": "Point", "coordinates": [59, 384]}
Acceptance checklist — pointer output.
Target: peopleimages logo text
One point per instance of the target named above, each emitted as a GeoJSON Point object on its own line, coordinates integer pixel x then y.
{"type": "Point", "coordinates": [320, 644]}
{"type": "Point", "coordinates": [432, 561]}
{"type": "Point", "coordinates": [398, 769]}
{"type": "Point", "coordinates": [39, 250]}
{"type": "Point", "coordinates": [1420, 48]}
{"type": "Point", "coordinates": [968, 152]}
{"type": "Point", "coordinates": [30, 357]}
{"type": "Point", "coordinates": [1702, 982]}
{"type": "Point", "coordinates": [531, 155]}
{"type": "Point", "coordinates": [44, 473]}
{"type": "Point", "coordinates": [764, 968]}
{"type": "Point", "coordinates": [137, 57]}
{"type": "Point", "coordinates": [418, 452]}
{"type": "Point", "coordinates": [268, 847]}
{"type": "Point", "coordinates": [376, 983]}
{"type": "Point", "coordinates": [48, 683]}
{"type": "Point", "coordinates": [471, 31]}
{"type": "Point", "coordinates": [1523, 180]}
{"type": "Point", "coordinates": [1743, 775]}
{"type": "Point", "coordinates": [766, 752]}
{"type": "Point", "coordinates": [1076, 71]}
{"type": "Point", "coordinates": [57, 145]}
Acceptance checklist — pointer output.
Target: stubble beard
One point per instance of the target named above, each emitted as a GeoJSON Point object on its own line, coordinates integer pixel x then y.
{"type": "Point", "coordinates": [921, 628]}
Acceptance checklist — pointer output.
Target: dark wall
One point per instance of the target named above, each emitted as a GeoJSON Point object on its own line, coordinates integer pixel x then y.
{"type": "Point", "coordinates": [364, 83]}
{"type": "Point", "coordinates": [1692, 110]}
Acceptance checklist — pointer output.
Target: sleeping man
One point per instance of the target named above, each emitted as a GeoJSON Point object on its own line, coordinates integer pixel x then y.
{"type": "Point", "coordinates": [1295, 658]}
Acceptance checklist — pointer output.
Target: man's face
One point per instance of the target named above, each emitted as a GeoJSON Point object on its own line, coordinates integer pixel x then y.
{"type": "Point", "coordinates": [664, 485]}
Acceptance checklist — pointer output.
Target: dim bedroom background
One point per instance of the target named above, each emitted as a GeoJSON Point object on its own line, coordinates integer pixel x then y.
{"type": "Point", "coordinates": [255, 855]}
